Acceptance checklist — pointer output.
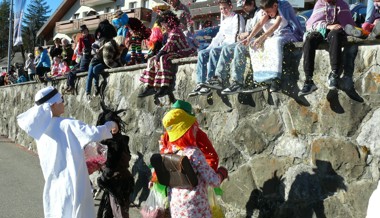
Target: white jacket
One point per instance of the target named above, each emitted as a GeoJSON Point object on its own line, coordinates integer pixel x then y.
{"type": "Point", "coordinates": [230, 27]}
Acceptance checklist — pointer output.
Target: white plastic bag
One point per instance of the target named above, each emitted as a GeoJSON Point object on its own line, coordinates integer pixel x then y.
{"type": "Point", "coordinates": [153, 207]}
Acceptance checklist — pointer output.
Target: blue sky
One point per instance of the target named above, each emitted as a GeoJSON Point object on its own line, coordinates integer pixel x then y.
{"type": "Point", "coordinates": [53, 4]}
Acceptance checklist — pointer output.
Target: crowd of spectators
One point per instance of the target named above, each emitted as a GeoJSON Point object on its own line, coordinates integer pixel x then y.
{"type": "Point", "coordinates": [258, 34]}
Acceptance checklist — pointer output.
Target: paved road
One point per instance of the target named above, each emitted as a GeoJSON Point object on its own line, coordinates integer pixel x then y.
{"type": "Point", "coordinates": [21, 183]}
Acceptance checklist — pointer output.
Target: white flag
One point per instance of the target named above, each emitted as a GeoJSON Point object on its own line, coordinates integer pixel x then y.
{"type": "Point", "coordinates": [18, 14]}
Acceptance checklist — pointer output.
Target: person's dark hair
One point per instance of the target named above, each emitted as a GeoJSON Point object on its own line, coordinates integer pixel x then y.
{"type": "Point", "coordinates": [267, 3]}
{"type": "Point", "coordinates": [225, 2]}
{"type": "Point", "coordinates": [249, 2]}
{"type": "Point", "coordinates": [170, 18]}
{"type": "Point", "coordinates": [40, 48]}
{"type": "Point", "coordinates": [207, 23]}
{"type": "Point", "coordinates": [105, 30]}
{"type": "Point", "coordinates": [65, 60]}
{"type": "Point", "coordinates": [83, 28]}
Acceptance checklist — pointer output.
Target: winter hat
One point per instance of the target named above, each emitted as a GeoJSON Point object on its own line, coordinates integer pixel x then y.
{"type": "Point", "coordinates": [184, 105]}
{"type": "Point", "coordinates": [118, 14]}
{"type": "Point", "coordinates": [177, 122]}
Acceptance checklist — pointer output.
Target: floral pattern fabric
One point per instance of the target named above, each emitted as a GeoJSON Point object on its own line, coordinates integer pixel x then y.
{"type": "Point", "coordinates": [194, 202]}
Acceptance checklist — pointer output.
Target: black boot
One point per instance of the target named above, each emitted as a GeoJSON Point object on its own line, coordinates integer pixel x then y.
{"type": "Point", "coordinates": [148, 90]}
{"type": "Point", "coordinates": [164, 90]}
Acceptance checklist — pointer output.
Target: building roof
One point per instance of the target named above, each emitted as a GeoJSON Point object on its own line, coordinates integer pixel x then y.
{"type": "Point", "coordinates": [47, 29]}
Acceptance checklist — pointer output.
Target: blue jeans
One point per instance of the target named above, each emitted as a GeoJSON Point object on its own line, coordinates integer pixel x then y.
{"type": "Point", "coordinates": [93, 73]}
{"type": "Point", "coordinates": [84, 63]}
{"type": "Point", "coordinates": [370, 9]}
{"type": "Point", "coordinates": [206, 64]}
{"type": "Point", "coordinates": [233, 58]}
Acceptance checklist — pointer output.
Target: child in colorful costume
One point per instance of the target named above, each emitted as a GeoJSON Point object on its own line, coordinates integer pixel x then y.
{"type": "Point", "coordinates": [159, 73]}
{"type": "Point", "coordinates": [120, 21]}
{"type": "Point", "coordinates": [137, 33]}
{"type": "Point", "coordinates": [182, 130]}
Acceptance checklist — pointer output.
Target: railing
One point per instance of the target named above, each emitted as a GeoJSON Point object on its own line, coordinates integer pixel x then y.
{"type": "Point", "coordinates": [95, 2]}
{"type": "Point", "coordinates": [72, 26]}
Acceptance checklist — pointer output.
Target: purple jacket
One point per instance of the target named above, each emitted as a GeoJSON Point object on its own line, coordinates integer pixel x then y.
{"type": "Point", "coordinates": [323, 12]}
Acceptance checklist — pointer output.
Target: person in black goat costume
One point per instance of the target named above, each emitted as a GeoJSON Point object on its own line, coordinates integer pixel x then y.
{"type": "Point", "coordinates": [116, 180]}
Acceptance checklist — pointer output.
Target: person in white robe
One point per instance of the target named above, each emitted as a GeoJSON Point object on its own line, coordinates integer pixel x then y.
{"type": "Point", "coordinates": [373, 210]}
{"type": "Point", "coordinates": [60, 142]}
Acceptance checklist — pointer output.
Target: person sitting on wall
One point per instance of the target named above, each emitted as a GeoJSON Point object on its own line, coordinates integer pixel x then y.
{"type": "Point", "coordinates": [43, 64]}
{"type": "Point", "coordinates": [230, 26]}
{"type": "Point", "coordinates": [67, 51]}
{"type": "Point", "coordinates": [233, 57]}
{"type": "Point", "coordinates": [137, 32]}
{"type": "Point", "coordinates": [119, 21]}
{"type": "Point", "coordinates": [84, 47]}
{"type": "Point", "coordinates": [326, 24]}
{"type": "Point", "coordinates": [158, 77]}
{"type": "Point", "coordinates": [108, 56]}
{"type": "Point", "coordinates": [56, 50]}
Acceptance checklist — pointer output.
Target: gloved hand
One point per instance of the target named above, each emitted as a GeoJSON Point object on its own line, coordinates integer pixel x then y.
{"type": "Point", "coordinates": [223, 172]}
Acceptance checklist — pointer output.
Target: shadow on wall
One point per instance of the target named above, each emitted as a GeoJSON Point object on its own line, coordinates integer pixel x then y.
{"type": "Point", "coordinates": [143, 176]}
{"type": "Point", "coordinates": [305, 198]}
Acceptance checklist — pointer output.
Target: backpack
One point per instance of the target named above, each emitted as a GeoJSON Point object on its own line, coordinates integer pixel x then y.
{"type": "Point", "coordinates": [358, 12]}
{"type": "Point", "coordinates": [174, 170]}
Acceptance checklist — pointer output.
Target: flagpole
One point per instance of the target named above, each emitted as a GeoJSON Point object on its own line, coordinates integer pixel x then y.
{"type": "Point", "coordinates": [10, 36]}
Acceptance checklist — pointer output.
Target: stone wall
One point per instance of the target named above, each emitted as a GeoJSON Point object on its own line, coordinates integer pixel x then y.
{"type": "Point", "coordinates": [288, 156]}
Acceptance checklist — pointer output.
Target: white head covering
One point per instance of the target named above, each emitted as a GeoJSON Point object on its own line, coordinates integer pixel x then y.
{"type": "Point", "coordinates": [35, 120]}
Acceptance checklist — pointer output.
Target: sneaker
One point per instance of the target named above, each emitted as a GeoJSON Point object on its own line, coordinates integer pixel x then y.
{"type": "Point", "coordinates": [204, 91]}
{"type": "Point", "coordinates": [88, 96]}
{"type": "Point", "coordinates": [308, 88]}
{"type": "Point", "coordinates": [197, 90]}
{"type": "Point", "coordinates": [375, 31]}
{"type": "Point", "coordinates": [257, 87]}
{"type": "Point", "coordinates": [214, 83]}
{"type": "Point", "coordinates": [148, 90]}
{"type": "Point", "coordinates": [275, 86]}
{"type": "Point", "coordinates": [352, 31]}
{"type": "Point", "coordinates": [234, 88]}
{"type": "Point", "coordinates": [332, 81]}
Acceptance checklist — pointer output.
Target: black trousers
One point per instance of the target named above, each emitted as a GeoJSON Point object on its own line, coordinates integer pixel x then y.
{"type": "Point", "coordinates": [335, 39]}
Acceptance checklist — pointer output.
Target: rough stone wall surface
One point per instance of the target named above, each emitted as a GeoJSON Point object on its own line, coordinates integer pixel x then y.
{"type": "Point", "coordinates": [288, 156]}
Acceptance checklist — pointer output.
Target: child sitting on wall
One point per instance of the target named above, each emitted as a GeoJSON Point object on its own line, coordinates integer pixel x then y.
{"type": "Point", "coordinates": [230, 26]}
{"type": "Point", "coordinates": [55, 67]}
{"type": "Point", "coordinates": [280, 26]}
{"type": "Point", "coordinates": [158, 77]}
{"type": "Point", "coordinates": [326, 24]}
{"type": "Point", "coordinates": [137, 32]}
